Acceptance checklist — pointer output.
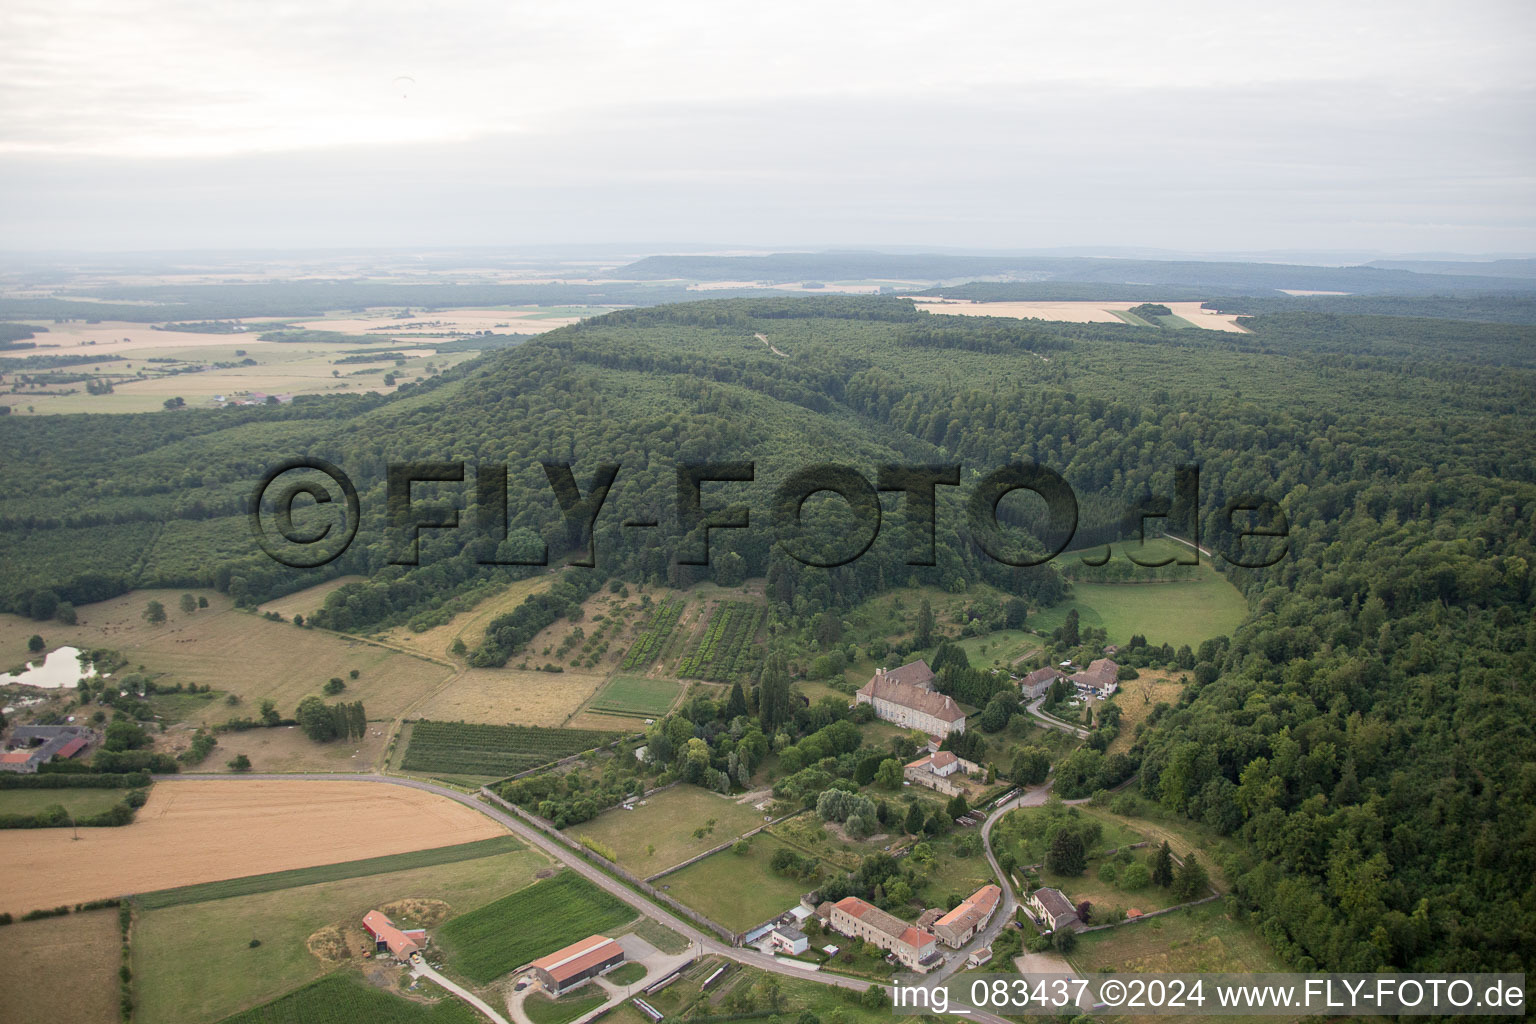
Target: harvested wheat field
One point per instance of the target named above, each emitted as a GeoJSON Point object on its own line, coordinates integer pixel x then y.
{"type": "Point", "coordinates": [203, 830]}
{"type": "Point", "coordinates": [508, 696]}
{"type": "Point", "coordinates": [307, 601]}
{"type": "Point", "coordinates": [1079, 312]}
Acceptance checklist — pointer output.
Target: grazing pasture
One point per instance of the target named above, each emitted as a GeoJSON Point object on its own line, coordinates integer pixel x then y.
{"type": "Point", "coordinates": [487, 943]}
{"type": "Point", "coordinates": [458, 748]}
{"type": "Point", "coordinates": [194, 962]}
{"type": "Point", "coordinates": [658, 833]}
{"type": "Point", "coordinates": [61, 968]}
{"type": "Point", "coordinates": [204, 830]}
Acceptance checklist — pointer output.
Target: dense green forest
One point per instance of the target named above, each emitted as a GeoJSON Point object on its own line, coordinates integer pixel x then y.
{"type": "Point", "coordinates": [1367, 733]}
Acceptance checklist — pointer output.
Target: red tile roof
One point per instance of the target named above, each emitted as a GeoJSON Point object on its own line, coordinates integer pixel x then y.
{"type": "Point", "coordinates": [383, 929]}
{"type": "Point", "coordinates": [976, 908]}
{"type": "Point", "coordinates": [72, 748]}
{"type": "Point", "coordinates": [916, 937]}
{"type": "Point", "coordinates": [15, 757]}
{"type": "Point", "coordinates": [578, 956]}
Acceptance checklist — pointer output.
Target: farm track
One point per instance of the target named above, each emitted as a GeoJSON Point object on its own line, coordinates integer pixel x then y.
{"type": "Point", "coordinates": [705, 944]}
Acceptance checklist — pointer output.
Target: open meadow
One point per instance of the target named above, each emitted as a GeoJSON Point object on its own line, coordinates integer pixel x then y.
{"type": "Point", "coordinates": [234, 651]}
{"type": "Point", "coordinates": [80, 803]}
{"type": "Point", "coordinates": [658, 833]}
{"type": "Point", "coordinates": [498, 696]}
{"type": "Point", "coordinates": [194, 962]}
{"type": "Point", "coordinates": [200, 830]}
{"type": "Point", "coordinates": [62, 968]}
{"type": "Point", "coordinates": [1137, 697]}
{"type": "Point", "coordinates": [468, 625]}
{"type": "Point", "coordinates": [737, 890]}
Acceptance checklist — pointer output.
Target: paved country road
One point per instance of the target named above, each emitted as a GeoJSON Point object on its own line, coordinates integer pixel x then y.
{"type": "Point", "coordinates": [702, 942]}
{"type": "Point", "coordinates": [1056, 723]}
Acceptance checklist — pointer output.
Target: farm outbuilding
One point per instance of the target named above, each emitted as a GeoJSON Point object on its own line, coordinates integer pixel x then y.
{"type": "Point", "coordinates": [388, 938]}
{"type": "Point", "coordinates": [578, 963]}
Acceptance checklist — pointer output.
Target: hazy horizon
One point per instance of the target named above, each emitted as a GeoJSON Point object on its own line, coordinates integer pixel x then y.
{"type": "Point", "coordinates": [159, 124]}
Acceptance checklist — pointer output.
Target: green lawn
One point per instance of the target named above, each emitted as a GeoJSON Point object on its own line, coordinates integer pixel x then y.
{"type": "Point", "coordinates": [543, 1010]}
{"type": "Point", "coordinates": [660, 833]}
{"type": "Point", "coordinates": [626, 974]}
{"type": "Point", "coordinates": [1184, 612]}
{"type": "Point", "coordinates": [636, 695]}
{"type": "Point", "coordinates": [1201, 939]}
{"type": "Point", "coordinates": [487, 943]}
{"type": "Point", "coordinates": [194, 963]}
{"type": "Point", "coordinates": [343, 998]}
{"type": "Point", "coordinates": [736, 890]}
{"type": "Point", "coordinates": [81, 803]}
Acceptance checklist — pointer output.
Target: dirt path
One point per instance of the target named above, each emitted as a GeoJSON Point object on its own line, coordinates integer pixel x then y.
{"type": "Point", "coordinates": [764, 339]}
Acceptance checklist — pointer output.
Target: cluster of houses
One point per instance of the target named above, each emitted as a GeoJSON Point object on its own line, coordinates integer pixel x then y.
{"type": "Point", "coordinates": [915, 946]}
{"type": "Point", "coordinates": [1100, 679]}
{"type": "Point", "coordinates": [33, 746]}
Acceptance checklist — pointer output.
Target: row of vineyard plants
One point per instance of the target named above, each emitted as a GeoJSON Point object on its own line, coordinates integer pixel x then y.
{"type": "Point", "coordinates": [648, 647]}
{"type": "Point", "coordinates": [726, 650]}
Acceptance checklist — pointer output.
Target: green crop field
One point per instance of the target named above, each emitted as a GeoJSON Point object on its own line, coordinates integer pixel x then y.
{"type": "Point", "coordinates": [653, 639]}
{"type": "Point", "coordinates": [276, 880]}
{"type": "Point", "coordinates": [493, 750]}
{"type": "Point", "coordinates": [635, 696]}
{"type": "Point", "coordinates": [737, 890]}
{"type": "Point", "coordinates": [343, 999]}
{"type": "Point", "coordinates": [487, 943]}
{"type": "Point", "coordinates": [660, 832]}
{"type": "Point", "coordinates": [725, 651]}
{"type": "Point", "coordinates": [194, 963]}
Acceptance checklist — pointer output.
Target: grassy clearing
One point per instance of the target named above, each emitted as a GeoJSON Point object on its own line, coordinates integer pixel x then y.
{"type": "Point", "coordinates": [194, 962]}
{"type": "Point", "coordinates": [543, 1010]}
{"type": "Point", "coordinates": [80, 803]}
{"type": "Point", "coordinates": [277, 880]}
{"type": "Point", "coordinates": [1175, 613]}
{"type": "Point", "coordinates": [659, 833]}
{"type": "Point", "coordinates": [307, 601]}
{"type": "Point", "coordinates": [657, 934]}
{"type": "Point", "coordinates": [469, 625]}
{"type": "Point", "coordinates": [1200, 939]}
{"type": "Point", "coordinates": [489, 942]}
{"type": "Point", "coordinates": [736, 890]}
{"type": "Point", "coordinates": [626, 974]}
{"type": "Point", "coordinates": [1136, 699]}
{"type": "Point", "coordinates": [61, 968]}
{"type": "Point", "coordinates": [343, 999]}
{"type": "Point", "coordinates": [636, 696]}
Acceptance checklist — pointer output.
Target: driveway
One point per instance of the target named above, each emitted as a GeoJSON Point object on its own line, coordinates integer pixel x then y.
{"type": "Point", "coordinates": [1055, 723]}
{"type": "Point", "coordinates": [422, 969]}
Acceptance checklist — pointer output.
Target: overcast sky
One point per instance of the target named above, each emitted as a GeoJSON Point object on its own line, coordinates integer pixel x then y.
{"type": "Point", "coordinates": [142, 124]}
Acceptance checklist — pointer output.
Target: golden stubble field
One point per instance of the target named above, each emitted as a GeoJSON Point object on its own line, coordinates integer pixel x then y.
{"type": "Point", "coordinates": [235, 651]}
{"type": "Point", "coordinates": [203, 830]}
{"type": "Point", "coordinates": [1079, 312]}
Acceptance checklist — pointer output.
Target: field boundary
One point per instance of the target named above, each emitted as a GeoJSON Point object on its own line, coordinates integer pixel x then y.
{"type": "Point", "coordinates": [723, 846]}
{"type": "Point", "coordinates": [273, 881]}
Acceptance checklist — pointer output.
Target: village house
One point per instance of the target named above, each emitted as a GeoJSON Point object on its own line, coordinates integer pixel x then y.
{"type": "Point", "coordinates": [1038, 682]}
{"type": "Point", "coordinates": [38, 744]}
{"type": "Point", "coordinates": [935, 771]}
{"type": "Point", "coordinates": [960, 925]}
{"type": "Point", "coordinates": [788, 939]}
{"type": "Point", "coordinates": [916, 949]}
{"type": "Point", "coordinates": [1100, 679]}
{"type": "Point", "coordinates": [906, 697]}
{"type": "Point", "coordinates": [1052, 908]}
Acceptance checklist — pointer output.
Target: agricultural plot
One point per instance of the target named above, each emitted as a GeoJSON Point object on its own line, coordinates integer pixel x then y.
{"type": "Point", "coordinates": [499, 695]}
{"type": "Point", "coordinates": [458, 748]}
{"type": "Point", "coordinates": [652, 640]}
{"type": "Point", "coordinates": [495, 939]}
{"type": "Point", "coordinates": [1185, 612]}
{"type": "Point", "coordinates": [1200, 939]}
{"type": "Point", "coordinates": [344, 999]}
{"type": "Point", "coordinates": [61, 968]}
{"type": "Point", "coordinates": [660, 832]}
{"type": "Point", "coordinates": [726, 651]}
{"type": "Point", "coordinates": [194, 962]}
{"type": "Point", "coordinates": [635, 697]}
{"type": "Point", "coordinates": [194, 831]}
{"type": "Point", "coordinates": [80, 803]}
